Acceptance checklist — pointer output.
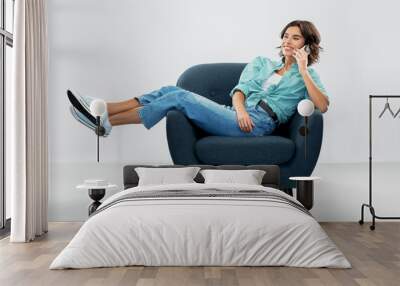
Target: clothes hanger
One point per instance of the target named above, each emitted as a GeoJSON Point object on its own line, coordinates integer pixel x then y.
{"type": "Point", "coordinates": [398, 111]}
{"type": "Point", "coordinates": [387, 107]}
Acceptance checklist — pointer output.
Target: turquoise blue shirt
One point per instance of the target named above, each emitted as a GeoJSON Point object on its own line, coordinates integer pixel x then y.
{"type": "Point", "coordinates": [282, 97]}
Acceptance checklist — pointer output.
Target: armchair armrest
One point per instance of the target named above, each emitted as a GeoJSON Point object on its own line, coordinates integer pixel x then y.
{"type": "Point", "coordinates": [181, 137]}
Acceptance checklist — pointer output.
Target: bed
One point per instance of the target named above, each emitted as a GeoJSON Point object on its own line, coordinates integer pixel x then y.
{"type": "Point", "coordinates": [201, 224]}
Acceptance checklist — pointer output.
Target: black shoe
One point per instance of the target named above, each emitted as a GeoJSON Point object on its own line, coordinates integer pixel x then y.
{"type": "Point", "coordinates": [77, 104]}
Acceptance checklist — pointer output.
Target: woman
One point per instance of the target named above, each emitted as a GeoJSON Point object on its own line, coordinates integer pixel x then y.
{"type": "Point", "coordinates": [267, 94]}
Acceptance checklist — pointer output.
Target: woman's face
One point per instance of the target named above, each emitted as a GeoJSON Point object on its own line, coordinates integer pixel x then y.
{"type": "Point", "coordinates": [292, 39]}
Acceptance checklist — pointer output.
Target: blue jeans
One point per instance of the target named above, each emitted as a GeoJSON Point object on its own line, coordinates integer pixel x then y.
{"type": "Point", "coordinates": [214, 118]}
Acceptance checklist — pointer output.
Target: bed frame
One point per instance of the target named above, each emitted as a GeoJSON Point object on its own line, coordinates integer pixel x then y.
{"type": "Point", "coordinates": [270, 179]}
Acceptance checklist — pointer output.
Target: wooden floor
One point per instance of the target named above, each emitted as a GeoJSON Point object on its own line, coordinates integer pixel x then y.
{"type": "Point", "coordinates": [374, 255]}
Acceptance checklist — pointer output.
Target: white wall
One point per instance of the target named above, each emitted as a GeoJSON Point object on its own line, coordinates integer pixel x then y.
{"type": "Point", "coordinates": [119, 49]}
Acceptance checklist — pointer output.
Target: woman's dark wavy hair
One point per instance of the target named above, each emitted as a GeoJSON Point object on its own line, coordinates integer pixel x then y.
{"type": "Point", "coordinates": [311, 36]}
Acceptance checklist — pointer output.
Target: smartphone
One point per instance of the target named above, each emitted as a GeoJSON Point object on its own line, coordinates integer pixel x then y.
{"type": "Point", "coordinates": [307, 49]}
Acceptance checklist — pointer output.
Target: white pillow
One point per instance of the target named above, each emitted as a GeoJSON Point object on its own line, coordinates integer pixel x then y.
{"type": "Point", "coordinates": [163, 176]}
{"type": "Point", "coordinates": [249, 177]}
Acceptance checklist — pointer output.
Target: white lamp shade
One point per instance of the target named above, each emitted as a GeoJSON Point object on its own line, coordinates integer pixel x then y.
{"type": "Point", "coordinates": [305, 107]}
{"type": "Point", "coordinates": [97, 107]}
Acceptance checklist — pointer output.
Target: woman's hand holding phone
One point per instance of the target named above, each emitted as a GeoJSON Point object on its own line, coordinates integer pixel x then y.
{"type": "Point", "coordinates": [301, 57]}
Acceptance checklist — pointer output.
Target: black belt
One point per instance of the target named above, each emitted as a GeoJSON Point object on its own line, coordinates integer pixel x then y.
{"type": "Point", "coordinates": [268, 109]}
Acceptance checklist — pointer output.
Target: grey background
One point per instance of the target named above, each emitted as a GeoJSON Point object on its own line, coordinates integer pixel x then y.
{"type": "Point", "coordinates": [119, 49]}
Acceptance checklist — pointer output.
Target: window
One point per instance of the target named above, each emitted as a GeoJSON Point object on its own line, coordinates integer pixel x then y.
{"type": "Point", "coordinates": [6, 44]}
{"type": "Point", "coordinates": [9, 19]}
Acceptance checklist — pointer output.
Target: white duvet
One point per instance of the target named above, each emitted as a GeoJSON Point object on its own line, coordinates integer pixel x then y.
{"type": "Point", "coordinates": [193, 231]}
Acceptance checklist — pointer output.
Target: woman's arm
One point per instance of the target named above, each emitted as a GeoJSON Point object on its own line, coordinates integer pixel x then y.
{"type": "Point", "coordinates": [244, 120]}
{"type": "Point", "coordinates": [247, 76]}
{"type": "Point", "coordinates": [319, 99]}
{"type": "Point", "coordinates": [238, 100]}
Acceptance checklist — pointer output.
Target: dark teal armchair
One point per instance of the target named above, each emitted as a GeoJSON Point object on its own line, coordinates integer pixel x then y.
{"type": "Point", "coordinates": [190, 145]}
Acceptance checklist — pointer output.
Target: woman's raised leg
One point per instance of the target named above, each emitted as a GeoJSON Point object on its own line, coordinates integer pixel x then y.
{"type": "Point", "coordinates": [130, 116]}
{"type": "Point", "coordinates": [210, 116]}
{"type": "Point", "coordinates": [118, 107]}
{"type": "Point", "coordinates": [114, 108]}
{"type": "Point", "coordinates": [216, 119]}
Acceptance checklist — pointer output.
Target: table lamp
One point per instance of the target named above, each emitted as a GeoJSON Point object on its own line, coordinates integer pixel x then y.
{"type": "Point", "coordinates": [97, 108]}
{"type": "Point", "coordinates": [305, 109]}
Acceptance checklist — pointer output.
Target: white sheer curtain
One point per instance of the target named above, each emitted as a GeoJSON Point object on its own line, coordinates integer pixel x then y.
{"type": "Point", "coordinates": [28, 157]}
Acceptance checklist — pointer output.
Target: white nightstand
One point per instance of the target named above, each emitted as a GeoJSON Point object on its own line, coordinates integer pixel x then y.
{"type": "Point", "coordinates": [96, 193]}
{"type": "Point", "coordinates": [305, 190]}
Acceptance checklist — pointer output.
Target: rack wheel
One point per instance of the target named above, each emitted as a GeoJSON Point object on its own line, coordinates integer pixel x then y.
{"type": "Point", "coordinates": [361, 222]}
{"type": "Point", "coordinates": [372, 227]}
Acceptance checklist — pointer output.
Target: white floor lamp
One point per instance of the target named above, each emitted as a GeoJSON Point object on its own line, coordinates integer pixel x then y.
{"type": "Point", "coordinates": [97, 108]}
{"type": "Point", "coordinates": [305, 108]}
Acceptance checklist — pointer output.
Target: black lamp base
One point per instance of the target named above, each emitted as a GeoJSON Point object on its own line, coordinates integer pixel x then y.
{"type": "Point", "coordinates": [100, 131]}
{"type": "Point", "coordinates": [96, 195]}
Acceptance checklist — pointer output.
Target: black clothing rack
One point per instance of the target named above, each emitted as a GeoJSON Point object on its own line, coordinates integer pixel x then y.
{"type": "Point", "coordinates": [369, 205]}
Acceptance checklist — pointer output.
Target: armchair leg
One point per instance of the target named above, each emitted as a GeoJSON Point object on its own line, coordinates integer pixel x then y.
{"type": "Point", "coordinates": [288, 191]}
